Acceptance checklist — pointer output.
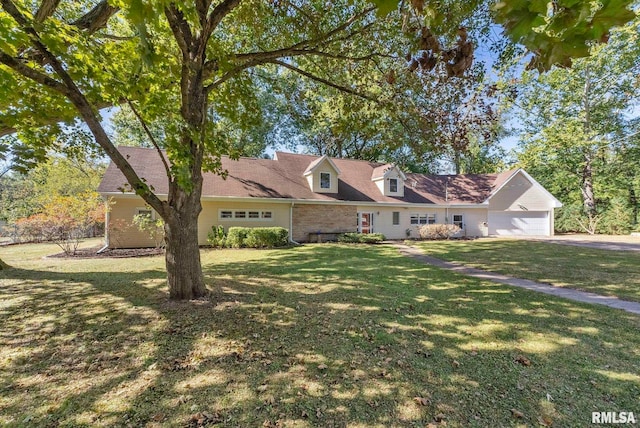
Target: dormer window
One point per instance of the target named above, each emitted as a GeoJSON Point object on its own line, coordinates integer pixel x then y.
{"type": "Point", "coordinates": [389, 179]}
{"type": "Point", "coordinates": [393, 185]}
{"type": "Point", "coordinates": [325, 180]}
{"type": "Point", "coordinates": [322, 175]}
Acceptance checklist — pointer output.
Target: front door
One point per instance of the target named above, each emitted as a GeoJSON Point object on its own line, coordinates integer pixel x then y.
{"type": "Point", "coordinates": [365, 222]}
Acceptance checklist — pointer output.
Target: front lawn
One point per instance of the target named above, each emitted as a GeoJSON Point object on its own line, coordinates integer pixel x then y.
{"type": "Point", "coordinates": [320, 335]}
{"type": "Point", "coordinates": [606, 272]}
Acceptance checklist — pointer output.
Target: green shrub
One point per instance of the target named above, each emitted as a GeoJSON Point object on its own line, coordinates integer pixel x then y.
{"type": "Point", "coordinates": [361, 238]}
{"type": "Point", "coordinates": [372, 238]}
{"type": "Point", "coordinates": [349, 238]}
{"type": "Point", "coordinates": [257, 237]}
{"type": "Point", "coordinates": [267, 237]}
{"type": "Point", "coordinates": [217, 237]}
{"type": "Point", "coordinates": [237, 236]}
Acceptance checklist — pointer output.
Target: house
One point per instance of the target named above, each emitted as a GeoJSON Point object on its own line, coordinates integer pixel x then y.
{"type": "Point", "coordinates": [316, 196]}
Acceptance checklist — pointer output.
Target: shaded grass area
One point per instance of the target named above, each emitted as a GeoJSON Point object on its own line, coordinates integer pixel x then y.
{"type": "Point", "coordinates": [320, 335]}
{"type": "Point", "coordinates": [605, 272]}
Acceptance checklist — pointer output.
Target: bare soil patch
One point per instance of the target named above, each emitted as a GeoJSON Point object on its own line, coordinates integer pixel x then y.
{"type": "Point", "coordinates": [115, 253]}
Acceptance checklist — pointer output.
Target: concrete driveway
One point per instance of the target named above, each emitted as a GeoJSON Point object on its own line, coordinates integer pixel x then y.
{"type": "Point", "coordinates": [602, 242]}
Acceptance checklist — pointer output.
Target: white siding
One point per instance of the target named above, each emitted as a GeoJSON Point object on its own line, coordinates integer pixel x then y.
{"type": "Point", "coordinates": [383, 220]}
{"type": "Point", "coordinates": [519, 194]}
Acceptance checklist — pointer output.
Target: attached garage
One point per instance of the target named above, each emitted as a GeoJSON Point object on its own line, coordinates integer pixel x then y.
{"type": "Point", "coordinates": [521, 206]}
{"type": "Point", "coordinates": [509, 223]}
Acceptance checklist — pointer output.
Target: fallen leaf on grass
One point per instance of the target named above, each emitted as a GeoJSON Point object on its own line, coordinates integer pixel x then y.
{"type": "Point", "coordinates": [202, 419]}
{"type": "Point", "coordinates": [523, 360]}
{"type": "Point", "coordinates": [322, 367]}
{"type": "Point", "coordinates": [455, 364]}
{"type": "Point", "coordinates": [517, 414]}
{"type": "Point", "coordinates": [545, 421]}
{"type": "Point", "coordinates": [421, 400]}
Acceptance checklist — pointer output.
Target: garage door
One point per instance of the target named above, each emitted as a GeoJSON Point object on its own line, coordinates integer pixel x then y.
{"type": "Point", "coordinates": [506, 223]}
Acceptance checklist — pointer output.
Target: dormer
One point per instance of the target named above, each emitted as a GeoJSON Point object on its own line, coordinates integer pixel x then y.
{"type": "Point", "coordinates": [389, 179]}
{"type": "Point", "coordinates": [322, 175]}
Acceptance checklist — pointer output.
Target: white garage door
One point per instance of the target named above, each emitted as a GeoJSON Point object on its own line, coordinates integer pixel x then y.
{"type": "Point", "coordinates": [506, 223]}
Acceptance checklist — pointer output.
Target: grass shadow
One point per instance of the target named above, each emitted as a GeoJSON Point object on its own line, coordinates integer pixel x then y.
{"type": "Point", "coordinates": [329, 335]}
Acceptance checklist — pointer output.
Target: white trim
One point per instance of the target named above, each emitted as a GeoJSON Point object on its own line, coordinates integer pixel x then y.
{"type": "Point", "coordinates": [556, 202]}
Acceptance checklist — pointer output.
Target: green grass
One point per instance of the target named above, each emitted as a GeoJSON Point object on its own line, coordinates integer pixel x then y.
{"type": "Point", "coordinates": [320, 335]}
{"type": "Point", "coordinates": [605, 272]}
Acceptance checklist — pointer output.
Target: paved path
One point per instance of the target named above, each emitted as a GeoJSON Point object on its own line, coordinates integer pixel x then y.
{"type": "Point", "coordinates": [567, 293]}
{"type": "Point", "coordinates": [604, 245]}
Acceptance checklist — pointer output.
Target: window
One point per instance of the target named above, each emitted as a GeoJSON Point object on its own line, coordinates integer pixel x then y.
{"type": "Point", "coordinates": [458, 220]}
{"type": "Point", "coordinates": [325, 180]}
{"type": "Point", "coordinates": [393, 185]}
{"type": "Point", "coordinates": [423, 219]}
{"type": "Point", "coordinates": [147, 212]}
{"type": "Point", "coordinates": [396, 218]}
{"type": "Point", "coordinates": [245, 215]}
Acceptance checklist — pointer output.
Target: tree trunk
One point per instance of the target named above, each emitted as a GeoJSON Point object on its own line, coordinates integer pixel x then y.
{"type": "Point", "coordinates": [184, 271]}
{"type": "Point", "coordinates": [588, 197]}
{"type": "Point", "coordinates": [633, 201]}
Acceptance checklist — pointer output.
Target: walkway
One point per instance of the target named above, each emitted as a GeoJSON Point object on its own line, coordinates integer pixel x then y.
{"type": "Point", "coordinates": [567, 293]}
{"type": "Point", "coordinates": [600, 242]}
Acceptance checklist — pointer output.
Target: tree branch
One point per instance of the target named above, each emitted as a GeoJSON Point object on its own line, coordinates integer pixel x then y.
{"type": "Point", "coordinates": [97, 17]}
{"type": "Point", "coordinates": [46, 9]}
{"type": "Point", "coordinates": [180, 29]}
{"type": "Point", "coordinates": [297, 49]}
{"type": "Point", "coordinates": [32, 74]}
{"type": "Point", "coordinates": [322, 80]}
{"type": "Point", "coordinates": [218, 14]}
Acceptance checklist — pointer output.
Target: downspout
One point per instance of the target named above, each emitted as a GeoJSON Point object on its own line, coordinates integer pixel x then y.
{"type": "Point", "coordinates": [291, 224]}
{"type": "Point", "coordinates": [446, 200]}
{"type": "Point", "coordinates": [106, 227]}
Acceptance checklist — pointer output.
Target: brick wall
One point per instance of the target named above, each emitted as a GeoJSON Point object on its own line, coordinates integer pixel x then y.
{"type": "Point", "coordinates": [323, 218]}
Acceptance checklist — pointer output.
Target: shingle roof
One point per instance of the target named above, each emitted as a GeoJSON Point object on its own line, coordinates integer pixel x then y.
{"type": "Point", "coordinates": [284, 178]}
{"type": "Point", "coordinates": [380, 171]}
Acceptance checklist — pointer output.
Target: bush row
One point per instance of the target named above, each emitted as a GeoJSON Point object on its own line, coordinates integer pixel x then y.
{"type": "Point", "coordinates": [248, 237]}
{"type": "Point", "coordinates": [361, 238]}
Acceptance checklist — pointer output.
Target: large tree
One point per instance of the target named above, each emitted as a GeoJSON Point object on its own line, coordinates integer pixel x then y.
{"type": "Point", "coordinates": [577, 124]}
{"type": "Point", "coordinates": [196, 64]}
